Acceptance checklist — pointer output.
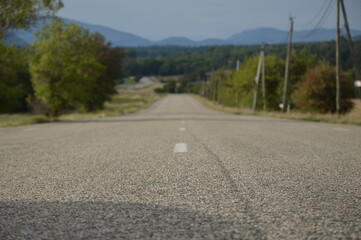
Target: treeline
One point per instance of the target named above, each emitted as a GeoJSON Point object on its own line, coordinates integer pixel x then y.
{"type": "Point", "coordinates": [185, 60]}
{"type": "Point", "coordinates": [210, 71]}
{"type": "Point", "coordinates": [312, 85]}
{"type": "Point", "coordinates": [65, 68]}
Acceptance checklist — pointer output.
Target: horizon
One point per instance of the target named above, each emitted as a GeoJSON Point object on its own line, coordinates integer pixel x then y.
{"type": "Point", "coordinates": [225, 38]}
{"type": "Point", "coordinates": [156, 20]}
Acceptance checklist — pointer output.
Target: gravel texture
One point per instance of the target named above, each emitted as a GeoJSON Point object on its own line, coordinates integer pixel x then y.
{"type": "Point", "coordinates": [243, 177]}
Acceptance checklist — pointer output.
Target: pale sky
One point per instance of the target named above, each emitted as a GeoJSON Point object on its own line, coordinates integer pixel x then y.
{"type": "Point", "coordinates": [201, 19]}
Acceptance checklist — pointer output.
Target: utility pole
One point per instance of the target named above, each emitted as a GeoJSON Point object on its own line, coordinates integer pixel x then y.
{"type": "Point", "coordinates": [256, 81]}
{"type": "Point", "coordinates": [237, 99]}
{"type": "Point", "coordinates": [338, 57]}
{"type": "Point", "coordinates": [285, 86]}
{"type": "Point", "coordinates": [218, 88]}
{"type": "Point", "coordinates": [214, 87]}
{"type": "Point", "coordinates": [350, 44]}
{"type": "Point", "coordinates": [203, 88]}
{"type": "Point", "coordinates": [236, 94]}
{"type": "Point", "coordinates": [264, 80]}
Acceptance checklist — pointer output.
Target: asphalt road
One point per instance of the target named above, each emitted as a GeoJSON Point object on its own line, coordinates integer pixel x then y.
{"type": "Point", "coordinates": [143, 83]}
{"type": "Point", "coordinates": [180, 171]}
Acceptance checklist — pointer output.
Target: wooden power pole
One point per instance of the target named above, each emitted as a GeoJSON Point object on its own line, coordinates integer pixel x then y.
{"type": "Point", "coordinates": [256, 81]}
{"type": "Point", "coordinates": [264, 81]}
{"type": "Point", "coordinates": [338, 57]}
{"type": "Point", "coordinates": [350, 44]}
{"type": "Point", "coordinates": [285, 86]}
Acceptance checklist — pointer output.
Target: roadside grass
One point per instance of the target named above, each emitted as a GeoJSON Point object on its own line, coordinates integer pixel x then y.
{"type": "Point", "coordinates": [7, 120]}
{"type": "Point", "coordinates": [124, 102]}
{"type": "Point", "coordinates": [129, 80]}
{"type": "Point", "coordinates": [352, 118]}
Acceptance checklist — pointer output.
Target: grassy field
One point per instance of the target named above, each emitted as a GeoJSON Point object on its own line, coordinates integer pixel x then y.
{"type": "Point", "coordinates": [124, 102]}
{"type": "Point", "coordinates": [353, 117]}
{"type": "Point", "coordinates": [129, 80]}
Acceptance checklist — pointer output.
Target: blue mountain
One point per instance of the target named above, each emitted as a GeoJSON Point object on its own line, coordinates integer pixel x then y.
{"type": "Point", "coordinates": [247, 37]}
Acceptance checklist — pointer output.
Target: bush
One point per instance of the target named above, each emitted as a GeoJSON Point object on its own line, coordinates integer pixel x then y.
{"type": "Point", "coordinates": [316, 92]}
{"type": "Point", "coordinates": [159, 90]}
{"type": "Point", "coordinates": [72, 68]}
{"type": "Point", "coordinates": [15, 84]}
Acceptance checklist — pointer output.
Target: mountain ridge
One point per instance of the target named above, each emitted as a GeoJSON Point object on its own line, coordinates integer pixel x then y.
{"type": "Point", "coordinates": [247, 37]}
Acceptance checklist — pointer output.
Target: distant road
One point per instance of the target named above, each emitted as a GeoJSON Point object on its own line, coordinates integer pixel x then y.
{"type": "Point", "coordinates": [180, 171]}
{"type": "Point", "coordinates": [143, 83]}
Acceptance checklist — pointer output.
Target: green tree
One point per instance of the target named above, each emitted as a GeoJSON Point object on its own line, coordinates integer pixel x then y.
{"type": "Point", "coordinates": [316, 92]}
{"type": "Point", "coordinates": [243, 82]}
{"type": "Point", "coordinates": [275, 68]}
{"type": "Point", "coordinates": [64, 67]}
{"type": "Point", "coordinates": [112, 59]}
{"type": "Point", "coordinates": [21, 14]}
{"type": "Point", "coordinates": [301, 61]}
{"type": "Point", "coordinates": [15, 83]}
{"type": "Point", "coordinates": [170, 86]}
{"type": "Point", "coordinates": [237, 89]}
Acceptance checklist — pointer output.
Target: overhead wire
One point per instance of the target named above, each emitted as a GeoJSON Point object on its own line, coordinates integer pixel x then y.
{"type": "Point", "coordinates": [322, 20]}
{"type": "Point", "coordinates": [323, 6]}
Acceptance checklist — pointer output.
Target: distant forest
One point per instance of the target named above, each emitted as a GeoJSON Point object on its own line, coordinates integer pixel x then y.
{"type": "Point", "coordinates": [172, 60]}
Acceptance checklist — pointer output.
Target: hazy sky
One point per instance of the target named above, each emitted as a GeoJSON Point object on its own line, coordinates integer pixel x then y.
{"type": "Point", "coordinates": [200, 19]}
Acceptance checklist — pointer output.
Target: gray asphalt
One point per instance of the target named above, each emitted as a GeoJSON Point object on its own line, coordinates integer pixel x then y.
{"type": "Point", "coordinates": [143, 83]}
{"type": "Point", "coordinates": [243, 177]}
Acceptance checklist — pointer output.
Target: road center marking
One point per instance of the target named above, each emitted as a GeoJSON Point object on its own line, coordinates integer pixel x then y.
{"type": "Point", "coordinates": [341, 129]}
{"type": "Point", "coordinates": [180, 147]}
{"type": "Point", "coordinates": [30, 129]}
{"type": "Point", "coordinates": [182, 129]}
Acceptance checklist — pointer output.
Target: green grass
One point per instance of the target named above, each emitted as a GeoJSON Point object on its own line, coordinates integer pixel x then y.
{"type": "Point", "coordinates": [129, 80]}
{"type": "Point", "coordinates": [7, 120]}
{"type": "Point", "coordinates": [124, 102]}
{"type": "Point", "coordinates": [353, 117]}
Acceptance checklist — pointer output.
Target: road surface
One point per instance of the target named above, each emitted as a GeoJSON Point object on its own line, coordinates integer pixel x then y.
{"type": "Point", "coordinates": [143, 83]}
{"type": "Point", "coordinates": [180, 171]}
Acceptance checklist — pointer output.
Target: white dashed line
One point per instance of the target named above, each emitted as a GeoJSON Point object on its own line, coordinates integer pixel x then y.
{"type": "Point", "coordinates": [31, 129]}
{"type": "Point", "coordinates": [180, 147]}
{"type": "Point", "coordinates": [341, 129]}
{"type": "Point", "coordinates": [311, 126]}
{"type": "Point", "coordinates": [182, 129]}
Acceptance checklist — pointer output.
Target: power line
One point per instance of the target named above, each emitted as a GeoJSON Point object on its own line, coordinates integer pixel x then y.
{"type": "Point", "coordinates": [322, 20]}
{"type": "Point", "coordinates": [323, 6]}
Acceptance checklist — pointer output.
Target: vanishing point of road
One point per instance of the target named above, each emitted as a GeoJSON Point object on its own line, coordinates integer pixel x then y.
{"type": "Point", "coordinates": [180, 171]}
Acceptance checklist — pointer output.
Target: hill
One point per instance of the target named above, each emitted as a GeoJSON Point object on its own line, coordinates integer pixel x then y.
{"type": "Point", "coordinates": [247, 37]}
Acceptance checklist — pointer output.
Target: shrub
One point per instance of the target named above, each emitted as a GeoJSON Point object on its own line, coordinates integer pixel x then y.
{"type": "Point", "coordinates": [316, 92]}
{"type": "Point", "coordinates": [15, 84]}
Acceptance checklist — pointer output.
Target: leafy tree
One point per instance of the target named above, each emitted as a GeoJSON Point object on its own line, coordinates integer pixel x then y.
{"type": "Point", "coordinates": [15, 83]}
{"type": "Point", "coordinates": [21, 14]}
{"type": "Point", "coordinates": [317, 91]}
{"type": "Point", "coordinates": [216, 86]}
{"type": "Point", "coordinates": [237, 88]}
{"type": "Point", "coordinates": [300, 62]}
{"type": "Point", "coordinates": [175, 60]}
{"type": "Point", "coordinates": [170, 86]}
{"type": "Point", "coordinates": [64, 67]}
{"type": "Point", "coordinates": [241, 84]}
{"type": "Point", "coordinates": [275, 68]}
{"type": "Point", "coordinates": [111, 58]}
